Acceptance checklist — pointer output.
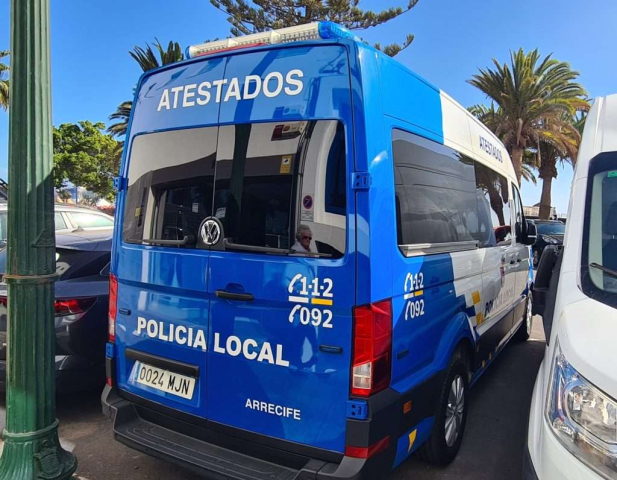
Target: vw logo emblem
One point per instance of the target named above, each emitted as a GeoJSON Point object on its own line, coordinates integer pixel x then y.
{"type": "Point", "coordinates": [210, 232]}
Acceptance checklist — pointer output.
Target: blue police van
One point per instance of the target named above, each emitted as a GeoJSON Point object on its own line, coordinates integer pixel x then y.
{"type": "Point", "coordinates": [316, 254]}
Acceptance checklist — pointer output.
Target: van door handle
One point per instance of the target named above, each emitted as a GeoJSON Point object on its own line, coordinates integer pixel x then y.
{"type": "Point", "coordinates": [241, 297]}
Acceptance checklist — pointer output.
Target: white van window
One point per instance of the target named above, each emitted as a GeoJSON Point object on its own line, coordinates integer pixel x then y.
{"type": "Point", "coordinates": [493, 206]}
{"type": "Point", "coordinates": [518, 213]}
{"type": "Point", "coordinates": [599, 269]}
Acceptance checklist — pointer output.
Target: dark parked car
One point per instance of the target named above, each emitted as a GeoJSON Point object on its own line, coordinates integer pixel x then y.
{"type": "Point", "coordinates": [550, 232]}
{"type": "Point", "coordinates": [82, 261]}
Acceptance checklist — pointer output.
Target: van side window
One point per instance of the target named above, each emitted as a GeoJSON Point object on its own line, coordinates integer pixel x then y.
{"type": "Point", "coordinates": [435, 192]}
{"type": "Point", "coordinates": [493, 207]}
{"type": "Point", "coordinates": [518, 213]}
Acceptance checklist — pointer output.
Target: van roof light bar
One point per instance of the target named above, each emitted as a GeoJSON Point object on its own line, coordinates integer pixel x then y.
{"type": "Point", "coordinates": [299, 33]}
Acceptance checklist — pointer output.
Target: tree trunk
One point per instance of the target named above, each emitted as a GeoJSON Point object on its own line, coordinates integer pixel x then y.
{"type": "Point", "coordinates": [517, 161]}
{"type": "Point", "coordinates": [545, 200]}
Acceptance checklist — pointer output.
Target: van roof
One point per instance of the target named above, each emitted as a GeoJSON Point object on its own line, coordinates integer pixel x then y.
{"type": "Point", "coordinates": [476, 141]}
{"type": "Point", "coordinates": [600, 133]}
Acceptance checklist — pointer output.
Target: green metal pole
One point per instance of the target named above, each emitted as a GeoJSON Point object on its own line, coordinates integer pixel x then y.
{"type": "Point", "coordinates": [31, 446]}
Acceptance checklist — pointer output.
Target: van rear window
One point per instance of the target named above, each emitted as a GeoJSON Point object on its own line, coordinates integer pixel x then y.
{"type": "Point", "coordinates": [280, 185]}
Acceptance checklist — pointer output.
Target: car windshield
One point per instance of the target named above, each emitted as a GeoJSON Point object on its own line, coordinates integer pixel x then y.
{"type": "Point", "coordinates": [600, 248]}
{"type": "Point", "coordinates": [276, 187]}
{"type": "Point", "coordinates": [556, 228]}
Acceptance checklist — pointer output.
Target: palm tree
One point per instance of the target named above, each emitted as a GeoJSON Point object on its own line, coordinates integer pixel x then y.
{"type": "Point", "coordinates": [528, 92]}
{"type": "Point", "coordinates": [563, 148]}
{"type": "Point", "coordinates": [147, 60]}
{"type": "Point", "coordinates": [4, 81]}
{"type": "Point", "coordinates": [491, 117]}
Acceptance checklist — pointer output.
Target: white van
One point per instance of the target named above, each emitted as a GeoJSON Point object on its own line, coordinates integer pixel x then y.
{"type": "Point", "coordinates": [573, 420]}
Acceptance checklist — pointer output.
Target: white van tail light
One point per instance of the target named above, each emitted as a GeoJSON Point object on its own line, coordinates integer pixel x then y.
{"type": "Point", "coordinates": [372, 348]}
{"type": "Point", "coordinates": [309, 31]}
{"type": "Point", "coordinates": [113, 306]}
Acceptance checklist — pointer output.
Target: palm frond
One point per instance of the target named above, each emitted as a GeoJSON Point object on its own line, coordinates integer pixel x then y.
{"type": "Point", "coordinates": [4, 81]}
{"type": "Point", "coordinates": [147, 59]}
{"type": "Point", "coordinates": [122, 113]}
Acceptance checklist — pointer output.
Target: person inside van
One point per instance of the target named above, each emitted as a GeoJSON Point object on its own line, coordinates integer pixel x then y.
{"type": "Point", "coordinates": [303, 240]}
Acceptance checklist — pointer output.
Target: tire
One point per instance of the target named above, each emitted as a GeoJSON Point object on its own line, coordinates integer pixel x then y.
{"type": "Point", "coordinates": [524, 331]}
{"type": "Point", "coordinates": [443, 445]}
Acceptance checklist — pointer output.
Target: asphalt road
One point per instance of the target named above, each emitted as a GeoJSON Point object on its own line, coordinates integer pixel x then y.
{"type": "Point", "coordinates": [492, 447]}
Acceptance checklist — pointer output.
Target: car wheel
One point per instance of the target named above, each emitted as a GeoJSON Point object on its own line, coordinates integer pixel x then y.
{"type": "Point", "coordinates": [536, 259]}
{"type": "Point", "coordinates": [450, 416]}
{"type": "Point", "coordinates": [524, 331]}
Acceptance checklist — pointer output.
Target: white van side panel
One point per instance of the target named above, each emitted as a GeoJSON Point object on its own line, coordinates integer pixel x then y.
{"type": "Point", "coordinates": [476, 141]}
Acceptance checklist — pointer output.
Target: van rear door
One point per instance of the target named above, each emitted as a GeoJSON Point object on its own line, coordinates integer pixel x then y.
{"type": "Point", "coordinates": [282, 276]}
{"type": "Point", "coordinates": [162, 308]}
{"type": "Point", "coordinates": [162, 298]}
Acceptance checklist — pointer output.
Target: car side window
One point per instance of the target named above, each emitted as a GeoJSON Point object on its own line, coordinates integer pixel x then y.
{"type": "Point", "coordinates": [91, 220]}
{"type": "Point", "coordinates": [59, 220]}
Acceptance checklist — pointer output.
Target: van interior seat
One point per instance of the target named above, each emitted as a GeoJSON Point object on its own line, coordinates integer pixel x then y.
{"type": "Point", "coordinates": [609, 254]}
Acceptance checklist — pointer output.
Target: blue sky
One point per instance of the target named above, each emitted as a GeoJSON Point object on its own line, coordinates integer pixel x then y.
{"type": "Point", "coordinates": [92, 71]}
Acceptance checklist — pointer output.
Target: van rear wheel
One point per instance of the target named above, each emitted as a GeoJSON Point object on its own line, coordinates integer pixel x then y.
{"type": "Point", "coordinates": [450, 416]}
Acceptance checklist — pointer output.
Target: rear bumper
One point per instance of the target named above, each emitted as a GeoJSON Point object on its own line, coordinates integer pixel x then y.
{"type": "Point", "coordinates": [73, 374]}
{"type": "Point", "coordinates": [217, 452]}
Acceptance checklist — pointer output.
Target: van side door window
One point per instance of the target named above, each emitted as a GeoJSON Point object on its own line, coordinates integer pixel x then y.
{"type": "Point", "coordinates": [435, 193]}
{"type": "Point", "coordinates": [522, 251]}
{"type": "Point", "coordinates": [518, 215]}
{"type": "Point", "coordinates": [493, 207]}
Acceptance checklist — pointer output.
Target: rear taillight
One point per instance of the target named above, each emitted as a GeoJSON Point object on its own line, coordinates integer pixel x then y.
{"type": "Point", "coordinates": [113, 306]}
{"type": "Point", "coordinates": [73, 306]}
{"type": "Point", "coordinates": [67, 306]}
{"type": "Point", "coordinates": [372, 351]}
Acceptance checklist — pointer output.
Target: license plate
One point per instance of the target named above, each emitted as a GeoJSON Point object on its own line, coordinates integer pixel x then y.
{"type": "Point", "coordinates": [165, 381]}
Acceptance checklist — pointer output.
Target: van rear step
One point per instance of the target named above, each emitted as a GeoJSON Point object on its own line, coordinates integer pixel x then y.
{"type": "Point", "coordinates": [201, 456]}
{"type": "Point", "coordinates": [184, 444]}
